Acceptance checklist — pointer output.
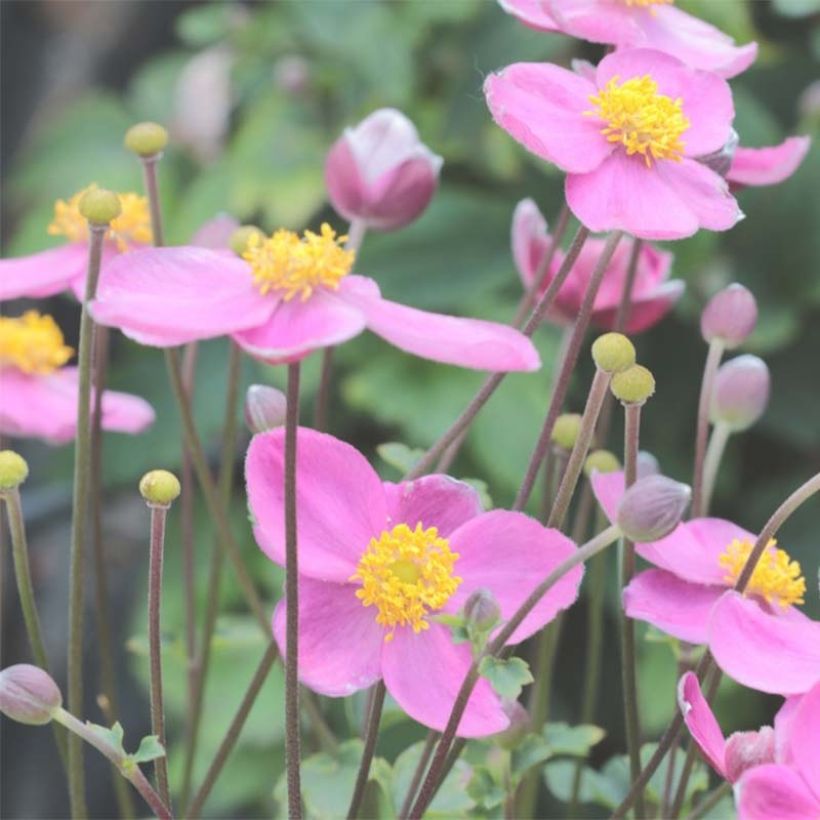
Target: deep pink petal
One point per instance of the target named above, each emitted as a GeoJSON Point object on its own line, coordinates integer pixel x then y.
{"type": "Point", "coordinates": [768, 166]}
{"type": "Point", "coordinates": [532, 13]}
{"type": "Point", "coordinates": [701, 722]}
{"type": "Point", "coordinates": [434, 501]}
{"type": "Point", "coordinates": [509, 554]}
{"type": "Point", "coordinates": [170, 296]}
{"type": "Point", "coordinates": [762, 651]}
{"type": "Point", "coordinates": [542, 106]}
{"type": "Point", "coordinates": [340, 501]}
{"type": "Point", "coordinates": [774, 792]}
{"type": "Point", "coordinates": [529, 240]}
{"type": "Point", "coordinates": [644, 311]}
{"type": "Point", "coordinates": [805, 739]}
{"type": "Point", "coordinates": [340, 643]}
{"type": "Point", "coordinates": [401, 194]}
{"type": "Point", "coordinates": [42, 274]}
{"type": "Point", "coordinates": [345, 185]}
{"type": "Point", "coordinates": [673, 605]}
{"type": "Point", "coordinates": [424, 672]}
{"type": "Point", "coordinates": [597, 21]}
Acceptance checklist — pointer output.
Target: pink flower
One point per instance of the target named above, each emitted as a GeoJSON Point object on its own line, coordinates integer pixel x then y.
{"type": "Point", "coordinates": [40, 393]}
{"type": "Point", "coordinates": [286, 298]}
{"type": "Point", "coordinates": [380, 172]}
{"type": "Point", "coordinates": [653, 24]}
{"type": "Point", "coordinates": [767, 166]}
{"type": "Point", "coordinates": [695, 565]}
{"type": "Point", "coordinates": [378, 560]}
{"type": "Point", "coordinates": [628, 141]}
{"type": "Point", "coordinates": [653, 296]}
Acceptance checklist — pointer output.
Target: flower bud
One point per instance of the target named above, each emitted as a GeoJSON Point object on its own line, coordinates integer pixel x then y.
{"type": "Point", "coordinates": [720, 161]}
{"type": "Point", "coordinates": [747, 749]}
{"type": "Point", "coordinates": [730, 316]}
{"type": "Point", "coordinates": [242, 235]}
{"type": "Point", "coordinates": [520, 725]}
{"type": "Point", "coordinates": [100, 206]}
{"type": "Point", "coordinates": [146, 139]}
{"type": "Point", "coordinates": [13, 470]}
{"type": "Point", "coordinates": [601, 461]}
{"type": "Point", "coordinates": [647, 464]}
{"type": "Point", "coordinates": [741, 392]}
{"type": "Point", "coordinates": [265, 408]}
{"type": "Point", "coordinates": [28, 694]}
{"type": "Point", "coordinates": [566, 429]}
{"type": "Point", "coordinates": [634, 385]}
{"type": "Point", "coordinates": [381, 173]}
{"type": "Point", "coordinates": [652, 507]}
{"type": "Point", "coordinates": [481, 610]}
{"type": "Point", "coordinates": [613, 352]}
{"type": "Point", "coordinates": [159, 488]}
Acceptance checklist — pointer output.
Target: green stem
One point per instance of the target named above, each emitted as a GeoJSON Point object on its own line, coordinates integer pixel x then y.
{"type": "Point", "coordinates": [713, 357]}
{"type": "Point", "coordinates": [708, 803]}
{"type": "Point", "coordinates": [714, 455]}
{"type": "Point", "coordinates": [371, 736]}
{"type": "Point", "coordinates": [421, 768]}
{"type": "Point", "coordinates": [149, 176]}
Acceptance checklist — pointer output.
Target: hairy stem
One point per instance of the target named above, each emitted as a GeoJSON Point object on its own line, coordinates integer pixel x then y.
{"type": "Point", "coordinates": [371, 736]}
{"type": "Point", "coordinates": [713, 357]}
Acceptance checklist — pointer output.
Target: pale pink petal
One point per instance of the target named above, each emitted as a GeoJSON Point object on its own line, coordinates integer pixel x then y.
{"type": "Point", "coordinates": [671, 604]}
{"type": "Point", "coordinates": [768, 166]}
{"type": "Point", "coordinates": [700, 720]}
{"type": "Point", "coordinates": [644, 311]}
{"type": "Point", "coordinates": [510, 554]}
{"type": "Point", "coordinates": [597, 21]}
{"type": "Point", "coordinates": [170, 296]}
{"type": "Point", "coordinates": [529, 239]}
{"type": "Point", "coordinates": [43, 274]}
{"type": "Point", "coordinates": [433, 501]}
{"type": "Point", "coordinates": [340, 502]}
{"type": "Point", "coordinates": [805, 739]}
{"type": "Point", "coordinates": [745, 750]}
{"type": "Point", "coordinates": [124, 413]}
{"type": "Point", "coordinates": [532, 13]}
{"type": "Point", "coordinates": [110, 251]}
{"type": "Point", "coordinates": [216, 233]}
{"type": "Point", "coordinates": [340, 643]}
{"type": "Point", "coordinates": [783, 725]}
{"type": "Point", "coordinates": [704, 192]}
{"type": "Point", "coordinates": [542, 106]}
{"type": "Point", "coordinates": [382, 141]}
{"type": "Point", "coordinates": [424, 672]}
{"type": "Point", "coordinates": [775, 792]}
{"type": "Point", "coordinates": [762, 651]}
{"type": "Point", "coordinates": [297, 328]}
{"type": "Point", "coordinates": [609, 490]}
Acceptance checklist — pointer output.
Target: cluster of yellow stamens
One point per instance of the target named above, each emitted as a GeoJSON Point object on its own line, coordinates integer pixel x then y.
{"type": "Point", "coordinates": [32, 343]}
{"type": "Point", "coordinates": [776, 578]}
{"type": "Point", "coordinates": [293, 267]}
{"type": "Point", "coordinates": [639, 118]}
{"type": "Point", "coordinates": [131, 227]}
{"type": "Point", "coordinates": [406, 573]}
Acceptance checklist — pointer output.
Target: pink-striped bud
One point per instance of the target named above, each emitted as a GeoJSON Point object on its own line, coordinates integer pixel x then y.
{"type": "Point", "coordinates": [730, 316]}
{"type": "Point", "coordinates": [264, 408]}
{"type": "Point", "coordinates": [741, 392]}
{"type": "Point", "coordinates": [28, 694]}
{"type": "Point", "coordinates": [652, 507]}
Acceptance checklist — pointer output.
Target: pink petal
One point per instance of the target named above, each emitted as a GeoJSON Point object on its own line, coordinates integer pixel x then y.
{"type": "Point", "coordinates": [774, 792]}
{"type": "Point", "coordinates": [542, 106]}
{"type": "Point", "coordinates": [762, 651]}
{"type": "Point", "coordinates": [532, 13]}
{"type": "Point", "coordinates": [671, 604]}
{"type": "Point", "coordinates": [340, 643]}
{"type": "Point", "coordinates": [216, 233]}
{"type": "Point", "coordinates": [170, 296]}
{"type": "Point", "coordinates": [700, 721]}
{"type": "Point", "coordinates": [745, 750]}
{"type": "Point", "coordinates": [768, 166]}
{"type": "Point", "coordinates": [510, 554]}
{"type": "Point", "coordinates": [530, 240]}
{"type": "Point", "coordinates": [424, 672]}
{"type": "Point", "coordinates": [345, 184]}
{"type": "Point", "coordinates": [434, 501]}
{"type": "Point", "coordinates": [124, 413]}
{"type": "Point", "coordinates": [783, 725]}
{"type": "Point", "coordinates": [401, 195]}
{"type": "Point", "coordinates": [644, 311]}
{"type": "Point", "coordinates": [597, 21]}
{"type": "Point", "coordinates": [298, 328]}
{"type": "Point", "coordinates": [340, 501]}
{"type": "Point", "coordinates": [609, 490]}
{"type": "Point", "coordinates": [805, 739]}
{"type": "Point", "coordinates": [43, 274]}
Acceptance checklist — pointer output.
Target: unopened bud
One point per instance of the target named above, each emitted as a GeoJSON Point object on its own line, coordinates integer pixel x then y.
{"type": "Point", "coordinates": [146, 139]}
{"type": "Point", "coordinates": [720, 161]}
{"type": "Point", "coordinates": [745, 750]}
{"type": "Point", "coordinates": [242, 235]}
{"type": "Point", "coordinates": [601, 461]}
{"type": "Point", "coordinates": [481, 610]}
{"type": "Point", "coordinates": [100, 206]}
{"type": "Point", "coordinates": [160, 488]}
{"type": "Point", "coordinates": [265, 408]}
{"type": "Point", "coordinates": [613, 352]}
{"type": "Point", "coordinates": [28, 694]}
{"type": "Point", "coordinates": [13, 470]}
{"type": "Point", "coordinates": [634, 385]}
{"type": "Point", "coordinates": [730, 316]}
{"type": "Point", "coordinates": [741, 392]}
{"type": "Point", "coordinates": [652, 507]}
{"type": "Point", "coordinates": [647, 464]}
{"type": "Point", "coordinates": [566, 430]}
{"type": "Point", "coordinates": [520, 725]}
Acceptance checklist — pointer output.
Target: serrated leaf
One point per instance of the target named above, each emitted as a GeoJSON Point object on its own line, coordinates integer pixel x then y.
{"type": "Point", "coordinates": [532, 750]}
{"type": "Point", "coordinates": [485, 790]}
{"type": "Point", "coordinates": [112, 737]}
{"type": "Point", "coordinates": [572, 740]}
{"type": "Point", "coordinates": [508, 677]}
{"type": "Point", "coordinates": [149, 749]}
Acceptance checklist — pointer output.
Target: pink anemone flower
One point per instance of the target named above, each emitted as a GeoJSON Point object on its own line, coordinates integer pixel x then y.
{"type": "Point", "coordinates": [378, 560]}
{"type": "Point", "coordinates": [40, 393]}
{"type": "Point", "coordinates": [767, 166]}
{"type": "Point", "coordinates": [653, 295]}
{"type": "Point", "coordinates": [694, 567]}
{"type": "Point", "coordinates": [284, 299]}
{"type": "Point", "coordinates": [628, 141]}
{"type": "Point", "coordinates": [653, 24]}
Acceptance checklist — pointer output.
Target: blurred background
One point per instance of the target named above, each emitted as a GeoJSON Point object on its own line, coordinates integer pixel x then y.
{"type": "Point", "coordinates": [254, 94]}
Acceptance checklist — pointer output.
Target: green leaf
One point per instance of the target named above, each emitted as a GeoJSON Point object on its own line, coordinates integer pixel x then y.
{"type": "Point", "coordinates": [507, 677]}
{"type": "Point", "coordinates": [400, 456]}
{"type": "Point", "coordinates": [533, 750]}
{"type": "Point", "coordinates": [113, 737]}
{"type": "Point", "coordinates": [595, 787]}
{"type": "Point", "coordinates": [572, 740]}
{"type": "Point", "coordinates": [149, 749]}
{"type": "Point", "coordinates": [484, 789]}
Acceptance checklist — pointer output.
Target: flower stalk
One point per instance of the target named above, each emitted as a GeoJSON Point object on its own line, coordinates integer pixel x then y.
{"type": "Point", "coordinates": [371, 736]}
{"type": "Point", "coordinates": [713, 357]}
{"type": "Point", "coordinates": [711, 464]}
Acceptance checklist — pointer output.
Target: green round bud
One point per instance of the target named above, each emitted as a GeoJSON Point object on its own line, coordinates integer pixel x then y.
{"type": "Point", "coordinates": [242, 236]}
{"type": "Point", "coordinates": [100, 206]}
{"type": "Point", "coordinates": [601, 461]}
{"type": "Point", "coordinates": [613, 352]}
{"type": "Point", "coordinates": [633, 385]}
{"type": "Point", "coordinates": [566, 430]}
{"type": "Point", "coordinates": [146, 139]}
{"type": "Point", "coordinates": [13, 470]}
{"type": "Point", "coordinates": [159, 487]}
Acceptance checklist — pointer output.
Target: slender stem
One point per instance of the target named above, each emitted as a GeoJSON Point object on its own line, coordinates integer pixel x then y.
{"type": "Point", "coordinates": [234, 730]}
{"type": "Point", "coordinates": [708, 803]}
{"type": "Point", "coordinates": [486, 390]}
{"type": "Point", "coordinates": [157, 548]}
{"type": "Point", "coordinates": [680, 794]}
{"type": "Point", "coordinates": [713, 358]}
{"type": "Point", "coordinates": [371, 736]}
{"type": "Point", "coordinates": [323, 394]}
{"type": "Point", "coordinates": [567, 366]}
{"type": "Point", "coordinates": [79, 520]}
{"type": "Point", "coordinates": [421, 768]}
{"type": "Point", "coordinates": [149, 177]}
{"type": "Point", "coordinates": [292, 729]}
{"type": "Point", "coordinates": [714, 455]}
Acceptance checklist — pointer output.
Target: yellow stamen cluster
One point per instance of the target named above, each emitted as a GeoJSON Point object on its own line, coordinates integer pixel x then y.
{"type": "Point", "coordinates": [639, 118]}
{"type": "Point", "coordinates": [776, 578]}
{"type": "Point", "coordinates": [32, 343]}
{"type": "Point", "coordinates": [406, 573]}
{"type": "Point", "coordinates": [131, 227]}
{"type": "Point", "coordinates": [649, 2]}
{"type": "Point", "coordinates": [293, 267]}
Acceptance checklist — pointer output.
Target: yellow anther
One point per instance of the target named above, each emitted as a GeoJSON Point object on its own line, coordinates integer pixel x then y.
{"type": "Point", "coordinates": [649, 2]}
{"type": "Point", "coordinates": [776, 578]}
{"type": "Point", "coordinates": [32, 343]}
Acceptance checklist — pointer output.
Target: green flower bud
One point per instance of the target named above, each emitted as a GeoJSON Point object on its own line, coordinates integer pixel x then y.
{"type": "Point", "coordinates": [100, 206]}
{"type": "Point", "coordinates": [601, 461]}
{"type": "Point", "coordinates": [566, 429]}
{"type": "Point", "coordinates": [613, 352]}
{"type": "Point", "coordinates": [28, 694]}
{"type": "Point", "coordinates": [634, 385]}
{"type": "Point", "coordinates": [13, 470]}
{"type": "Point", "coordinates": [241, 236]}
{"type": "Point", "coordinates": [146, 139]}
{"type": "Point", "coordinates": [159, 487]}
